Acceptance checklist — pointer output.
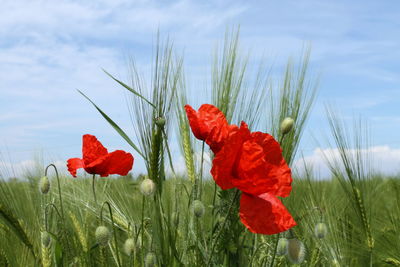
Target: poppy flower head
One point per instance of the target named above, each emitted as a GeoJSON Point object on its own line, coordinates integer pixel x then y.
{"type": "Point", "coordinates": [97, 160]}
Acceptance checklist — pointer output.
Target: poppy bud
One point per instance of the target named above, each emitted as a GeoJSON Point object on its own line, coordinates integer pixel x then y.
{"type": "Point", "coordinates": [287, 125]}
{"type": "Point", "coordinates": [282, 246]}
{"type": "Point", "coordinates": [147, 187]}
{"type": "Point", "coordinates": [296, 251]}
{"type": "Point", "coordinates": [46, 239]}
{"type": "Point", "coordinates": [150, 260]}
{"type": "Point", "coordinates": [320, 230]}
{"type": "Point", "coordinates": [129, 246]}
{"type": "Point", "coordinates": [44, 185]}
{"type": "Point", "coordinates": [102, 235]}
{"type": "Point", "coordinates": [198, 208]}
{"type": "Point", "coordinates": [160, 121]}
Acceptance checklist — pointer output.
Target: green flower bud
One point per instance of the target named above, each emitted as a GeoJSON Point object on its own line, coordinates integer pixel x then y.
{"type": "Point", "coordinates": [287, 125]}
{"type": "Point", "coordinates": [282, 246]}
{"type": "Point", "coordinates": [44, 185]}
{"type": "Point", "coordinates": [147, 187]}
{"type": "Point", "coordinates": [296, 251]}
{"type": "Point", "coordinates": [160, 121]}
{"type": "Point", "coordinates": [321, 230]}
{"type": "Point", "coordinates": [103, 235]}
{"type": "Point", "coordinates": [198, 208]}
{"type": "Point", "coordinates": [45, 238]}
{"type": "Point", "coordinates": [175, 219]}
{"type": "Point", "coordinates": [129, 246]}
{"type": "Point", "coordinates": [150, 260]}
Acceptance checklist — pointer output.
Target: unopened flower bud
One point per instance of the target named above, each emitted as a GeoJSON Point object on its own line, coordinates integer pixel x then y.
{"type": "Point", "coordinates": [287, 125]}
{"type": "Point", "coordinates": [129, 246]}
{"type": "Point", "coordinates": [160, 121]}
{"type": "Point", "coordinates": [102, 235]}
{"type": "Point", "coordinates": [175, 218]}
{"type": "Point", "coordinates": [150, 260]}
{"type": "Point", "coordinates": [147, 187]}
{"type": "Point", "coordinates": [282, 246]}
{"type": "Point", "coordinates": [198, 208]}
{"type": "Point", "coordinates": [321, 230]}
{"type": "Point", "coordinates": [44, 185]}
{"type": "Point", "coordinates": [45, 238]}
{"type": "Point", "coordinates": [296, 251]}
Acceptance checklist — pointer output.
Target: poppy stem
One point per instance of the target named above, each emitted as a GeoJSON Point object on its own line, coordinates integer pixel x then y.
{"type": "Point", "coordinates": [59, 187]}
{"type": "Point", "coordinates": [93, 188]}
{"type": "Point", "coordinates": [222, 227]}
{"type": "Point", "coordinates": [113, 228]}
{"type": "Point", "coordinates": [201, 170]}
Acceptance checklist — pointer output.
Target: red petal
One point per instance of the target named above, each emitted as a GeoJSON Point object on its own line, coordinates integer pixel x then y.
{"type": "Point", "coordinates": [74, 164]}
{"type": "Point", "coordinates": [117, 162]}
{"type": "Point", "coordinates": [264, 214]}
{"type": "Point", "coordinates": [261, 167]}
{"type": "Point", "coordinates": [226, 159]}
{"type": "Point", "coordinates": [208, 124]}
{"type": "Point", "coordinates": [92, 149]}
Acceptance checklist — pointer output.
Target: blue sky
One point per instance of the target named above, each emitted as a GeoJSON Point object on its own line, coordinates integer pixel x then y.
{"type": "Point", "coordinates": [48, 49]}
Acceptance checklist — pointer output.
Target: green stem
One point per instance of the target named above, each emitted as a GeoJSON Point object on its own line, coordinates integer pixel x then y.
{"type": "Point", "coordinates": [201, 170]}
{"type": "Point", "coordinates": [113, 230]}
{"type": "Point", "coordinates": [93, 188]}
{"type": "Point", "coordinates": [142, 228]}
{"type": "Point", "coordinates": [59, 187]}
{"type": "Point", "coordinates": [275, 248]}
{"type": "Point", "coordinates": [46, 210]}
{"type": "Point", "coordinates": [222, 227]}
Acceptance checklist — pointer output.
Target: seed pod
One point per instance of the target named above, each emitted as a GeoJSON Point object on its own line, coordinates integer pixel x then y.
{"type": "Point", "coordinates": [287, 125]}
{"type": "Point", "coordinates": [321, 230]}
{"type": "Point", "coordinates": [102, 235]}
{"type": "Point", "coordinates": [296, 251]}
{"type": "Point", "coordinates": [147, 187]}
{"type": "Point", "coordinates": [44, 185]}
{"type": "Point", "coordinates": [160, 121]}
{"type": "Point", "coordinates": [129, 246]}
{"type": "Point", "coordinates": [150, 260]}
{"type": "Point", "coordinates": [198, 208]}
{"type": "Point", "coordinates": [282, 246]}
{"type": "Point", "coordinates": [46, 239]}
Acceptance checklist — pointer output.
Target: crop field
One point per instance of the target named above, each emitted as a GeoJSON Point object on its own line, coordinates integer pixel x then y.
{"type": "Point", "coordinates": [251, 209]}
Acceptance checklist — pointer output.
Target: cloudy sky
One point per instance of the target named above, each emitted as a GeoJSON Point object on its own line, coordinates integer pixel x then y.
{"type": "Point", "coordinates": [48, 49]}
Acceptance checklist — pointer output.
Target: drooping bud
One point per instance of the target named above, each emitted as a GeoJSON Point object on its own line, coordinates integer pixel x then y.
{"type": "Point", "coordinates": [296, 251]}
{"type": "Point", "coordinates": [282, 246]}
{"type": "Point", "coordinates": [129, 246]}
{"type": "Point", "coordinates": [45, 238]}
{"type": "Point", "coordinates": [102, 235]}
{"type": "Point", "coordinates": [175, 218]}
{"type": "Point", "coordinates": [160, 121]}
{"type": "Point", "coordinates": [44, 185]}
{"type": "Point", "coordinates": [321, 230]}
{"type": "Point", "coordinates": [198, 208]}
{"type": "Point", "coordinates": [287, 125]}
{"type": "Point", "coordinates": [150, 260]}
{"type": "Point", "coordinates": [147, 187]}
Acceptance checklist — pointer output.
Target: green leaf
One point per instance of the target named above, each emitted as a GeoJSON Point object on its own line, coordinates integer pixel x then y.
{"type": "Point", "coordinates": [130, 89]}
{"type": "Point", "coordinates": [115, 126]}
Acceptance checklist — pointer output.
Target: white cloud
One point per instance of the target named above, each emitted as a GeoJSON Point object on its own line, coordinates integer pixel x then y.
{"type": "Point", "coordinates": [380, 159]}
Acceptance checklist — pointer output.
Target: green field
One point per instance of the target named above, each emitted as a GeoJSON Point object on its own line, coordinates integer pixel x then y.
{"type": "Point", "coordinates": [351, 219]}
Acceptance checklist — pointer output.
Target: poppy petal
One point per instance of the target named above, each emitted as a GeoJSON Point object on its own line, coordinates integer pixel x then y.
{"type": "Point", "coordinates": [117, 162]}
{"type": "Point", "coordinates": [225, 160]}
{"type": "Point", "coordinates": [264, 214]}
{"type": "Point", "coordinates": [92, 149]}
{"type": "Point", "coordinates": [261, 167]}
{"type": "Point", "coordinates": [74, 164]}
{"type": "Point", "coordinates": [208, 124]}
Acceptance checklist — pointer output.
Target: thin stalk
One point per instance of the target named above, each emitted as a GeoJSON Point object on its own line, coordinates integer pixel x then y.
{"type": "Point", "coordinates": [142, 229]}
{"type": "Point", "coordinates": [93, 188]}
{"type": "Point", "coordinates": [201, 170]}
{"type": "Point", "coordinates": [59, 187]}
{"type": "Point", "coordinates": [113, 230]}
{"type": "Point", "coordinates": [222, 227]}
{"type": "Point", "coordinates": [275, 248]}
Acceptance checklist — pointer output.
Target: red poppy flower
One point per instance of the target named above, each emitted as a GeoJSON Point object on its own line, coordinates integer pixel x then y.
{"type": "Point", "coordinates": [210, 125]}
{"type": "Point", "coordinates": [253, 163]}
{"type": "Point", "coordinates": [97, 160]}
{"type": "Point", "coordinates": [264, 214]}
